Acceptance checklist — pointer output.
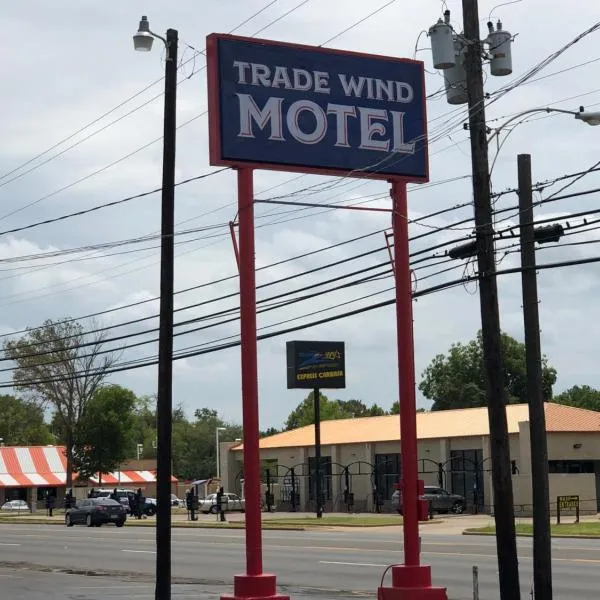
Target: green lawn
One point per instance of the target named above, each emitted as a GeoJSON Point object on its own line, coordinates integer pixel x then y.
{"type": "Point", "coordinates": [585, 529]}
{"type": "Point", "coordinates": [340, 521]}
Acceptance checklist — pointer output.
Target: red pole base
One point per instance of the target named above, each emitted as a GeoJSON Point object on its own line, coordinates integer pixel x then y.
{"type": "Point", "coordinates": [257, 587]}
{"type": "Point", "coordinates": [411, 583]}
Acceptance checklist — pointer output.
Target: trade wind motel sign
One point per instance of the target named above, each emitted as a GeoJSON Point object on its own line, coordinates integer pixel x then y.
{"type": "Point", "coordinates": [288, 107]}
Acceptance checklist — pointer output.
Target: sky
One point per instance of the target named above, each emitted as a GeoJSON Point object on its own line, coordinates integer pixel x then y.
{"type": "Point", "coordinates": [81, 123]}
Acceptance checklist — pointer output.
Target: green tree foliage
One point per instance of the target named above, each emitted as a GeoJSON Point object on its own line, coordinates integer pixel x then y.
{"type": "Point", "coordinates": [194, 442]}
{"type": "Point", "coordinates": [457, 379]}
{"type": "Point", "coordinates": [102, 436]}
{"type": "Point", "coordinates": [395, 410]}
{"type": "Point", "coordinates": [59, 365]}
{"type": "Point", "coordinates": [303, 414]}
{"type": "Point", "coordinates": [582, 396]}
{"type": "Point", "coordinates": [22, 423]}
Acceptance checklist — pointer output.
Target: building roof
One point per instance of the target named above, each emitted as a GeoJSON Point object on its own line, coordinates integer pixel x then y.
{"type": "Point", "coordinates": [465, 422]}
{"type": "Point", "coordinates": [32, 466]}
{"type": "Point", "coordinates": [46, 466]}
{"type": "Point", "coordinates": [127, 478]}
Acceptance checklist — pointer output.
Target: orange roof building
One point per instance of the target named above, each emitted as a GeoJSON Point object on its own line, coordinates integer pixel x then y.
{"type": "Point", "coordinates": [364, 455]}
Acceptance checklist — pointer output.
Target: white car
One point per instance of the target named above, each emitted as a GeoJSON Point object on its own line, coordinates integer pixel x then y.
{"type": "Point", "coordinates": [209, 504]}
{"type": "Point", "coordinates": [18, 505]}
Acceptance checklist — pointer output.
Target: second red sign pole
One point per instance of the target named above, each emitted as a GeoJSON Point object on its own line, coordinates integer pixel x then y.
{"type": "Point", "coordinates": [410, 581]}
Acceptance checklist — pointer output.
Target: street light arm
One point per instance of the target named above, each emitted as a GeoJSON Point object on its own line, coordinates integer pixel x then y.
{"type": "Point", "coordinates": [536, 110]}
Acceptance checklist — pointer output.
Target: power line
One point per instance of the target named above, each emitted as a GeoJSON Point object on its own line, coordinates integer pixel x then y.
{"type": "Point", "coordinates": [182, 354]}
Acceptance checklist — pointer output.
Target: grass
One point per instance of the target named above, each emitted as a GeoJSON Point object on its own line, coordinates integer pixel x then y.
{"type": "Point", "coordinates": [292, 523]}
{"type": "Point", "coordinates": [586, 529]}
{"type": "Point", "coordinates": [341, 521]}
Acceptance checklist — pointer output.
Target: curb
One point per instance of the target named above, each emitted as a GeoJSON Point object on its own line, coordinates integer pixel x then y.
{"type": "Point", "coordinates": [175, 525]}
{"type": "Point", "coordinates": [570, 536]}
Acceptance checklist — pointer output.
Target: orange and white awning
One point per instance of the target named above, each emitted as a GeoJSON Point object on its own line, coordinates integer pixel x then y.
{"type": "Point", "coordinates": [127, 478]}
{"type": "Point", "coordinates": [46, 466]}
{"type": "Point", "coordinates": [32, 466]}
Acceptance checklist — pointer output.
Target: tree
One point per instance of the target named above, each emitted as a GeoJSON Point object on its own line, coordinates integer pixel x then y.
{"type": "Point", "coordinates": [457, 380]}
{"type": "Point", "coordinates": [303, 414]}
{"type": "Point", "coordinates": [395, 410]}
{"type": "Point", "coordinates": [60, 365]}
{"type": "Point", "coordinates": [22, 423]}
{"type": "Point", "coordinates": [580, 396]}
{"type": "Point", "coordinates": [143, 430]}
{"type": "Point", "coordinates": [194, 442]}
{"type": "Point", "coordinates": [102, 436]}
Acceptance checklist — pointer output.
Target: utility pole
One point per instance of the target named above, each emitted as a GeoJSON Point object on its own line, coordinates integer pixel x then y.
{"type": "Point", "coordinates": [542, 553]}
{"type": "Point", "coordinates": [318, 485]}
{"type": "Point", "coordinates": [506, 544]}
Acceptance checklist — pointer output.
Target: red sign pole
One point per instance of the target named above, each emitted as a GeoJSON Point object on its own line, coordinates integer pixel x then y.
{"type": "Point", "coordinates": [254, 583]}
{"type": "Point", "coordinates": [410, 581]}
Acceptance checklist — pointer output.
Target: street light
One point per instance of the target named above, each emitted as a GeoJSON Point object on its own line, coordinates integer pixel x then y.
{"type": "Point", "coordinates": [591, 118]}
{"type": "Point", "coordinates": [217, 444]}
{"type": "Point", "coordinates": [142, 41]}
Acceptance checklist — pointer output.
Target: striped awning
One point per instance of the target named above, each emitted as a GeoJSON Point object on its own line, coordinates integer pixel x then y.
{"type": "Point", "coordinates": [46, 466]}
{"type": "Point", "coordinates": [128, 478]}
{"type": "Point", "coordinates": [32, 466]}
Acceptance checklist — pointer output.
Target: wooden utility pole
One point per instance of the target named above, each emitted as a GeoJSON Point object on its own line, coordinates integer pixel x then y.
{"type": "Point", "coordinates": [504, 516]}
{"type": "Point", "coordinates": [542, 553]}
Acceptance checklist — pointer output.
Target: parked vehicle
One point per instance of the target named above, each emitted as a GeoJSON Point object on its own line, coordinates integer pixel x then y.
{"type": "Point", "coordinates": [175, 501]}
{"type": "Point", "coordinates": [441, 501]}
{"type": "Point", "coordinates": [209, 504]}
{"type": "Point", "coordinates": [123, 494]}
{"type": "Point", "coordinates": [18, 505]}
{"type": "Point", "coordinates": [95, 512]}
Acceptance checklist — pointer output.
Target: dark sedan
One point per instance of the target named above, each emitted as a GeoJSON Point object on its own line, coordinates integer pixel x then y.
{"type": "Point", "coordinates": [94, 512]}
{"type": "Point", "coordinates": [440, 500]}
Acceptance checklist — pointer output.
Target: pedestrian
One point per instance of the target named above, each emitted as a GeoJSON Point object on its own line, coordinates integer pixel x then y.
{"type": "Point", "coordinates": [140, 503]}
{"type": "Point", "coordinates": [221, 504]}
{"type": "Point", "coordinates": [132, 498]}
{"type": "Point", "coordinates": [188, 503]}
{"type": "Point", "coordinates": [114, 495]}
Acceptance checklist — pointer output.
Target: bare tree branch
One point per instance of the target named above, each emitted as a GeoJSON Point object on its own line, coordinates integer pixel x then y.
{"type": "Point", "coordinates": [52, 369]}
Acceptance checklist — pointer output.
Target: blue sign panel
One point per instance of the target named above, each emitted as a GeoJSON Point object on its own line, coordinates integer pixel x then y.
{"type": "Point", "coordinates": [302, 108]}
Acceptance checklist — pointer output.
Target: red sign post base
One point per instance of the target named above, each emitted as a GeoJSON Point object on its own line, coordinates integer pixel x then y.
{"type": "Point", "coordinates": [257, 587]}
{"type": "Point", "coordinates": [411, 583]}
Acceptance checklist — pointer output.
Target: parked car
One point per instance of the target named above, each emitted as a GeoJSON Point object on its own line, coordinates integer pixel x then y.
{"type": "Point", "coordinates": [175, 501]}
{"type": "Point", "coordinates": [441, 501]}
{"type": "Point", "coordinates": [124, 495]}
{"type": "Point", "coordinates": [18, 505]}
{"type": "Point", "coordinates": [209, 504]}
{"type": "Point", "coordinates": [94, 512]}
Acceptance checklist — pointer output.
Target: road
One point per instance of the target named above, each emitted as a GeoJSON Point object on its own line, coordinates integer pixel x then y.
{"type": "Point", "coordinates": [305, 562]}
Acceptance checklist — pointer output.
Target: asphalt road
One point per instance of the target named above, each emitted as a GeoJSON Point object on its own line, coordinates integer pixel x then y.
{"type": "Point", "coordinates": [319, 563]}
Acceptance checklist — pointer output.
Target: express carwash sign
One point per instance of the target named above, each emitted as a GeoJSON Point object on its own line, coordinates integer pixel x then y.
{"type": "Point", "coordinates": [316, 365]}
{"type": "Point", "coordinates": [301, 108]}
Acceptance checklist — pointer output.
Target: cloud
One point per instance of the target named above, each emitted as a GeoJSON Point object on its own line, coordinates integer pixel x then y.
{"type": "Point", "coordinates": [60, 87]}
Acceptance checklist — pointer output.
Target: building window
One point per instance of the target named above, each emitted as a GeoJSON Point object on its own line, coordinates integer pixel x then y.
{"type": "Point", "coordinates": [466, 471]}
{"type": "Point", "coordinates": [387, 473]}
{"type": "Point", "coordinates": [325, 470]}
{"type": "Point", "coordinates": [571, 466]}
